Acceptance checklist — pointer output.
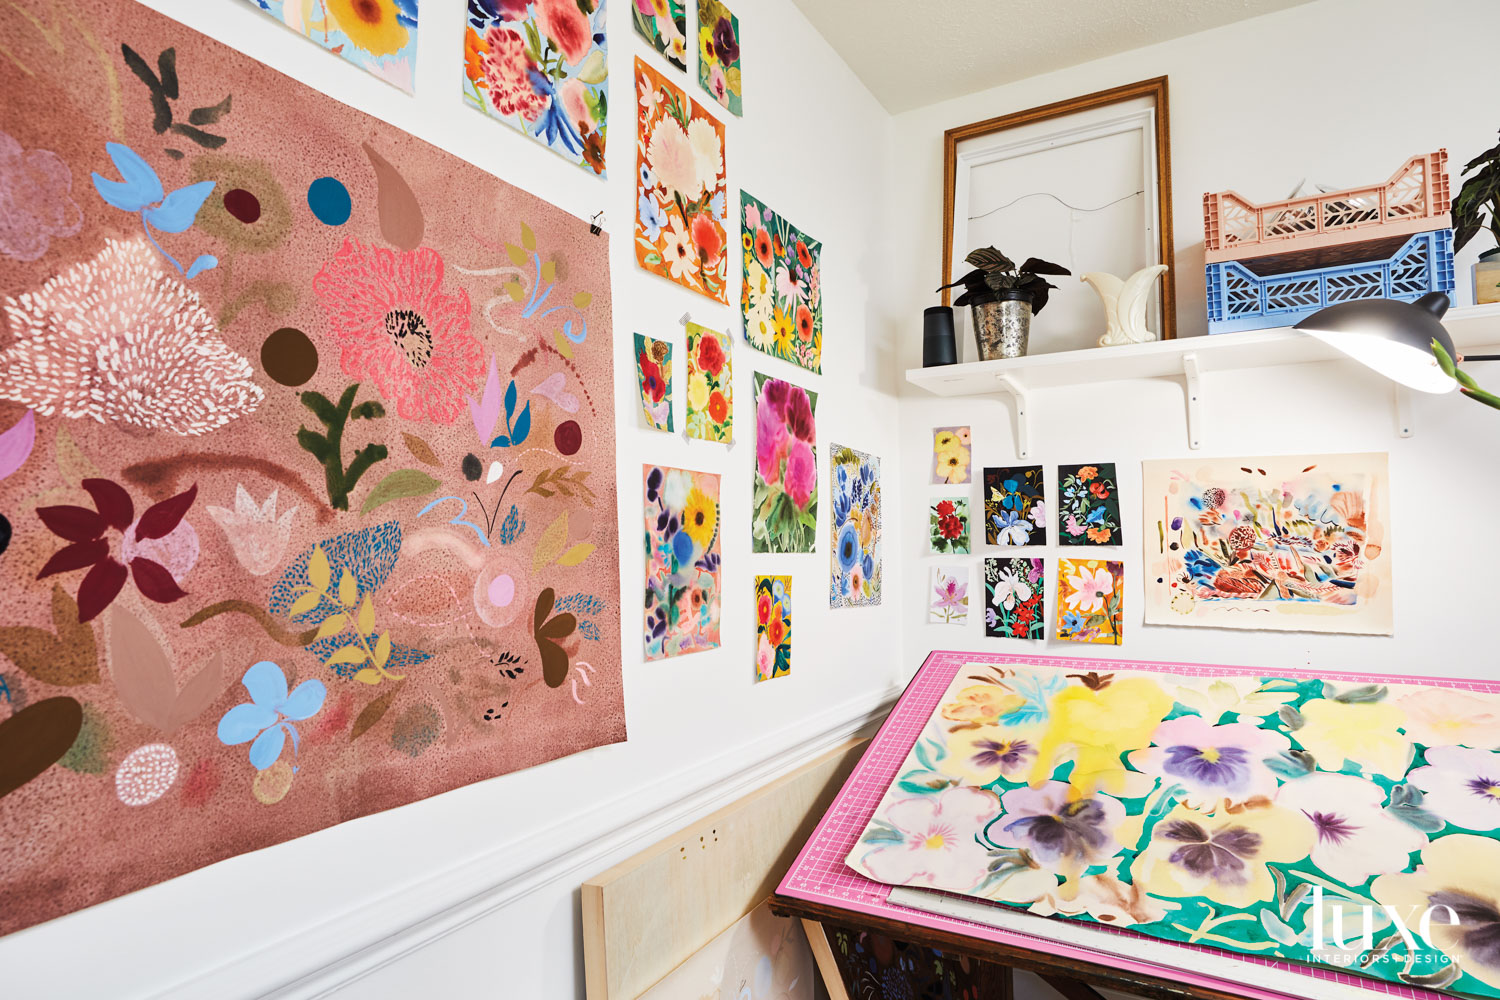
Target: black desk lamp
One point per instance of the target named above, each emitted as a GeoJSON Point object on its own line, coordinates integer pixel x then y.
{"type": "Point", "coordinates": [1394, 338]}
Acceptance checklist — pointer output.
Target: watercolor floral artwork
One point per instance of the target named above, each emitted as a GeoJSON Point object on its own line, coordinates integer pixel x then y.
{"type": "Point", "coordinates": [663, 24]}
{"type": "Point", "coordinates": [653, 376]}
{"type": "Point", "coordinates": [541, 67]}
{"type": "Point", "coordinates": [948, 526]}
{"type": "Point", "coordinates": [1287, 542]}
{"type": "Point", "coordinates": [773, 627]}
{"type": "Point", "coordinates": [1014, 599]}
{"type": "Point", "coordinates": [681, 198]}
{"type": "Point", "coordinates": [1236, 809]}
{"type": "Point", "coordinates": [1088, 505]}
{"type": "Point", "coordinates": [784, 501]}
{"type": "Point", "coordinates": [682, 561]}
{"type": "Point", "coordinates": [307, 459]}
{"type": "Point", "coordinates": [719, 54]}
{"type": "Point", "coordinates": [710, 389]}
{"type": "Point", "coordinates": [781, 294]}
{"type": "Point", "coordinates": [379, 36]}
{"type": "Point", "coordinates": [855, 577]}
{"type": "Point", "coordinates": [950, 455]}
{"type": "Point", "coordinates": [1090, 600]}
{"type": "Point", "coordinates": [1015, 508]}
{"type": "Point", "coordinates": [948, 595]}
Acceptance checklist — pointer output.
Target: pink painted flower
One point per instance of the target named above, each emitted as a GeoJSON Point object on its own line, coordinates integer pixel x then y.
{"type": "Point", "coordinates": [1072, 527]}
{"type": "Point", "coordinates": [574, 96]}
{"type": "Point", "coordinates": [512, 10]}
{"type": "Point", "coordinates": [36, 200]}
{"type": "Point", "coordinates": [765, 659]}
{"type": "Point", "coordinates": [951, 595]}
{"type": "Point", "coordinates": [801, 473]}
{"type": "Point", "coordinates": [770, 440]}
{"type": "Point", "coordinates": [507, 75]}
{"type": "Point", "coordinates": [936, 847]}
{"type": "Point", "coordinates": [567, 26]}
{"type": "Point", "coordinates": [399, 329]}
{"type": "Point", "coordinates": [1089, 589]}
{"type": "Point", "coordinates": [799, 415]}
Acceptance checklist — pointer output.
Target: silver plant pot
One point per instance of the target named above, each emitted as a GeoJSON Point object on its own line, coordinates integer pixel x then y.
{"type": "Point", "coordinates": [1002, 327]}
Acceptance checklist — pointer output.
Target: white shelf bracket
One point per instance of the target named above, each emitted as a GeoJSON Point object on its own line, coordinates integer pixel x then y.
{"type": "Point", "coordinates": [1193, 397]}
{"type": "Point", "coordinates": [1023, 418]}
{"type": "Point", "coordinates": [1403, 411]}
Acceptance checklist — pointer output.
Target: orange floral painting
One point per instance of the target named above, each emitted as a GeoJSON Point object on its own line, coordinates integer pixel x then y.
{"type": "Point", "coordinates": [680, 189]}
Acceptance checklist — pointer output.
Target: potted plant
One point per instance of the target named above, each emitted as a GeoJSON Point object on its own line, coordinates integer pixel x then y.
{"type": "Point", "coordinates": [1002, 298]}
{"type": "Point", "coordinates": [1480, 197]}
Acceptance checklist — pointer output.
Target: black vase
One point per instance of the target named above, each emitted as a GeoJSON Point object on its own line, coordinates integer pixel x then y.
{"type": "Point", "coordinates": [938, 347]}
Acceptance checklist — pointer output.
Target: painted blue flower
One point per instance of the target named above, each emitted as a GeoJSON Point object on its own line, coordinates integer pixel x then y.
{"type": "Point", "coordinates": [554, 121]}
{"type": "Point", "coordinates": [868, 565]}
{"type": "Point", "coordinates": [778, 591]}
{"type": "Point", "coordinates": [1037, 692]}
{"type": "Point", "coordinates": [1072, 623]}
{"type": "Point", "coordinates": [406, 13]}
{"type": "Point", "coordinates": [1096, 516]}
{"type": "Point", "coordinates": [682, 547]}
{"type": "Point", "coordinates": [1224, 767]}
{"type": "Point", "coordinates": [652, 216]}
{"type": "Point", "coordinates": [268, 718]}
{"type": "Point", "coordinates": [1200, 567]}
{"type": "Point", "coordinates": [1012, 498]}
{"type": "Point", "coordinates": [847, 547]}
{"type": "Point", "coordinates": [717, 207]}
{"type": "Point", "coordinates": [1011, 528]}
{"type": "Point", "coordinates": [139, 190]}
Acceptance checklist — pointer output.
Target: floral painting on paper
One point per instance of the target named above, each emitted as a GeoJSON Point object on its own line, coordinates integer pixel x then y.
{"type": "Point", "coordinates": [781, 294]}
{"type": "Point", "coordinates": [784, 501]}
{"type": "Point", "coordinates": [681, 199]}
{"type": "Point", "coordinates": [1299, 542]}
{"type": "Point", "coordinates": [1014, 598]}
{"type": "Point", "coordinates": [1090, 600]}
{"type": "Point", "coordinates": [307, 456]}
{"type": "Point", "coordinates": [1257, 813]}
{"type": "Point", "coordinates": [855, 577]}
{"type": "Point", "coordinates": [682, 561]}
{"type": "Point", "coordinates": [1088, 505]}
{"type": "Point", "coordinates": [773, 627]}
{"type": "Point", "coordinates": [541, 67]}
{"type": "Point", "coordinates": [719, 54]}
{"type": "Point", "coordinates": [948, 526]}
{"type": "Point", "coordinates": [378, 36]}
{"type": "Point", "coordinates": [948, 595]}
{"type": "Point", "coordinates": [710, 391]}
{"type": "Point", "coordinates": [950, 455]}
{"type": "Point", "coordinates": [663, 24]}
{"type": "Point", "coordinates": [1015, 510]}
{"type": "Point", "coordinates": [653, 376]}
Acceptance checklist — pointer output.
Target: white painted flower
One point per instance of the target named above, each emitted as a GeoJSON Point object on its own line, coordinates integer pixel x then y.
{"type": "Point", "coordinates": [708, 152]}
{"type": "Point", "coordinates": [1440, 717]}
{"type": "Point", "coordinates": [257, 535]}
{"type": "Point", "coordinates": [1356, 837]}
{"type": "Point", "coordinates": [672, 156]}
{"type": "Point", "coordinates": [937, 847]}
{"type": "Point", "coordinates": [1462, 786]}
{"type": "Point", "coordinates": [1009, 588]}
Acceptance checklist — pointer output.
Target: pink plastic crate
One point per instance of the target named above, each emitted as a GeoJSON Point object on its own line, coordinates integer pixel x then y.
{"type": "Point", "coordinates": [1414, 200]}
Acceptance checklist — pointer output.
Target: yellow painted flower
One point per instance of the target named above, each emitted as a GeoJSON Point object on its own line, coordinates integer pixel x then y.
{"type": "Point", "coordinates": [1437, 717]}
{"type": "Point", "coordinates": [698, 391]}
{"type": "Point", "coordinates": [953, 465]}
{"type": "Point", "coordinates": [1460, 872]}
{"type": "Point", "coordinates": [706, 46]}
{"type": "Point", "coordinates": [1222, 857]}
{"type": "Point", "coordinates": [660, 8]}
{"type": "Point", "coordinates": [699, 518]}
{"type": "Point", "coordinates": [944, 441]}
{"type": "Point", "coordinates": [1093, 728]}
{"type": "Point", "coordinates": [370, 24]}
{"type": "Point", "coordinates": [981, 703]}
{"type": "Point", "coordinates": [978, 756]}
{"type": "Point", "coordinates": [783, 339]}
{"type": "Point", "coordinates": [1364, 732]}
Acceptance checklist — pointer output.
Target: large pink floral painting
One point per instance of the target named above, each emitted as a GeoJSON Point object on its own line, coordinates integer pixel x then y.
{"type": "Point", "coordinates": [1237, 809]}
{"type": "Point", "coordinates": [307, 481]}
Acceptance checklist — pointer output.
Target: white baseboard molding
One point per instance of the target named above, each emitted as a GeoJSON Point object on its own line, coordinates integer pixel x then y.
{"type": "Point", "coordinates": [378, 932]}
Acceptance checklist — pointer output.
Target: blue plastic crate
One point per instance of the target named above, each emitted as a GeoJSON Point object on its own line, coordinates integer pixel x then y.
{"type": "Point", "coordinates": [1240, 299]}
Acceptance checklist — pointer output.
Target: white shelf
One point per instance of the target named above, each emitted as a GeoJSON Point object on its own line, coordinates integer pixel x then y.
{"type": "Point", "coordinates": [1187, 359]}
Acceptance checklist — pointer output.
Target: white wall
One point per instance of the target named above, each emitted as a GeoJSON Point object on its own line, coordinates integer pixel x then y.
{"type": "Point", "coordinates": [499, 862]}
{"type": "Point", "coordinates": [1339, 92]}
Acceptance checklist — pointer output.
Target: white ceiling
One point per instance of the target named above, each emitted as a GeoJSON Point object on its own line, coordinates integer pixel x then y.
{"type": "Point", "coordinates": [914, 52]}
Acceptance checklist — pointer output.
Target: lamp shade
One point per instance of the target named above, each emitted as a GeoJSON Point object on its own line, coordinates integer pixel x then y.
{"type": "Point", "coordinates": [1392, 337]}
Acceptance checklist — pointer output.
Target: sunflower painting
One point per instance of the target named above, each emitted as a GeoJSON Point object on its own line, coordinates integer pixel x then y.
{"type": "Point", "coordinates": [379, 36]}
{"type": "Point", "coordinates": [781, 294]}
{"type": "Point", "coordinates": [681, 196]}
{"type": "Point", "coordinates": [682, 561]}
{"type": "Point", "coordinates": [653, 374]}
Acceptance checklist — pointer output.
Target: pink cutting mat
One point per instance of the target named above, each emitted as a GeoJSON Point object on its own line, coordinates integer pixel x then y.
{"type": "Point", "coordinates": [819, 874]}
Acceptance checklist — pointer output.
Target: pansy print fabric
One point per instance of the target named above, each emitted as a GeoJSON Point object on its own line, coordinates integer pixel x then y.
{"type": "Point", "coordinates": [1014, 601]}
{"type": "Point", "coordinates": [663, 24]}
{"type": "Point", "coordinates": [653, 375]}
{"type": "Point", "coordinates": [784, 501]}
{"type": "Point", "coordinates": [541, 67]}
{"type": "Point", "coordinates": [1015, 509]}
{"type": "Point", "coordinates": [307, 495]}
{"type": "Point", "coordinates": [719, 54]}
{"type": "Point", "coordinates": [682, 561]}
{"type": "Point", "coordinates": [781, 294]}
{"type": "Point", "coordinates": [1237, 809]}
{"type": "Point", "coordinates": [1088, 505]}
{"type": "Point", "coordinates": [773, 627]}
{"type": "Point", "coordinates": [710, 386]}
{"type": "Point", "coordinates": [379, 36]}
{"type": "Point", "coordinates": [680, 190]}
{"type": "Point", "coordinates": [1091, 600]}
{"type": "Point", "coordinates": [1285, 542]}
{"type": "Point", "coordinates": [855, 578]}
{"type": "Point", "coordinates": [950, 455]}
{"type": "Point", "coordinates": [948, 595]}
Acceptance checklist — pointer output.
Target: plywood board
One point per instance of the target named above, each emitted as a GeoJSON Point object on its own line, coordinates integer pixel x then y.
{"type": "Point", "coordinates": [645, 916]}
